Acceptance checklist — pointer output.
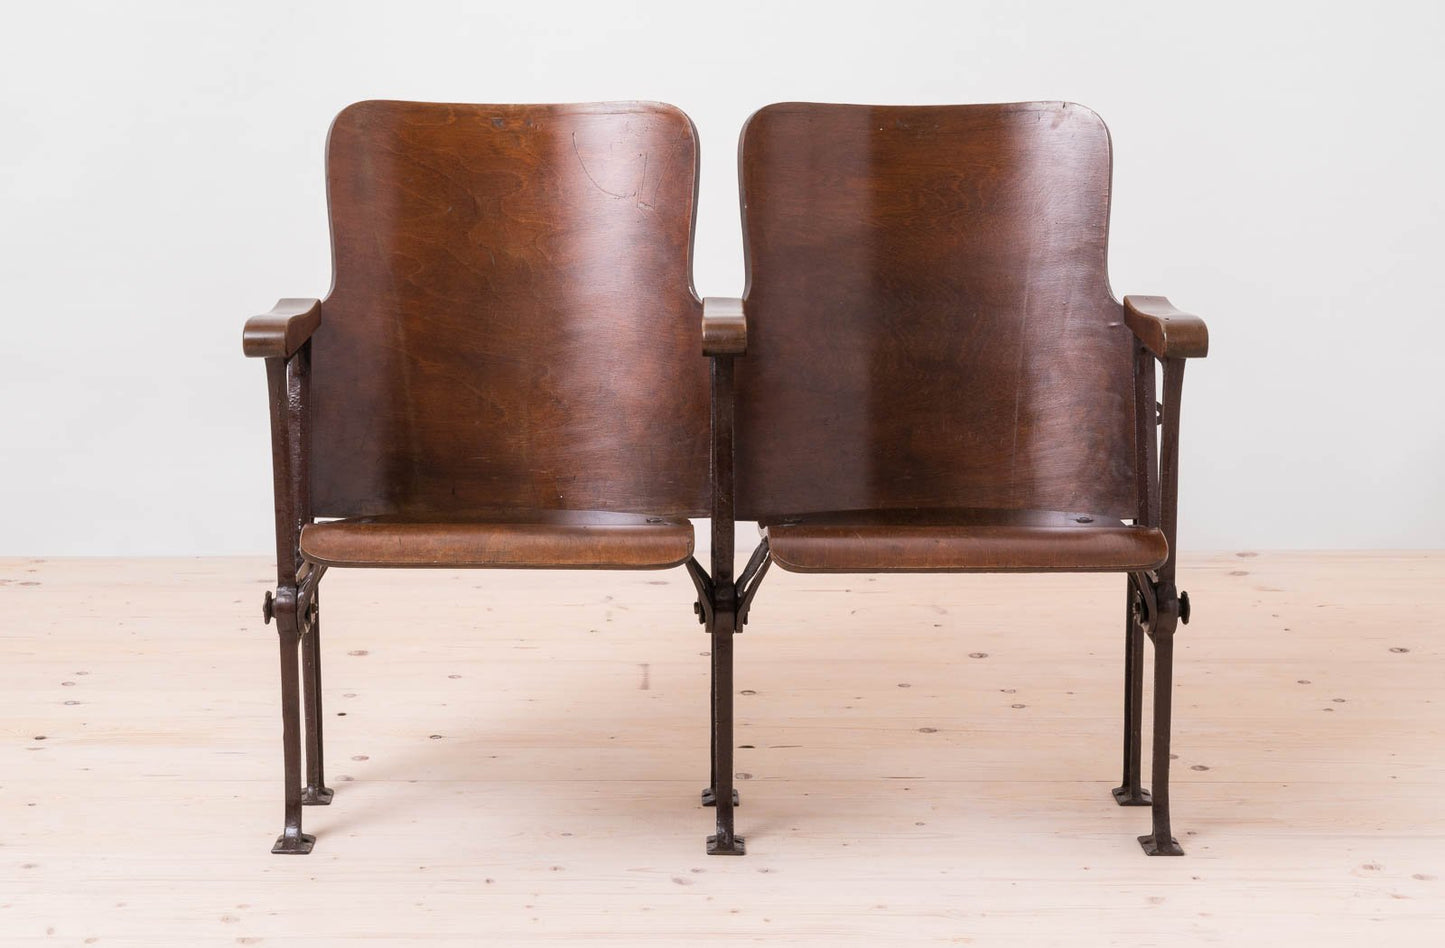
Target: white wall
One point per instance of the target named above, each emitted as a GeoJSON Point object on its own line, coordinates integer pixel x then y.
{"type": "Point", "coordinates": [1278, 171]}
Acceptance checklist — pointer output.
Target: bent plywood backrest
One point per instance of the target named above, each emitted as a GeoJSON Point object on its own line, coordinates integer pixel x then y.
{"type": "Point", "coordinates": [512, 325]}
{"type": "Point", "coordinates": [930, 322]}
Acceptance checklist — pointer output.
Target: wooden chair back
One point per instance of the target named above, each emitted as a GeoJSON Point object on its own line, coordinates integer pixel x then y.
{"type": "Point", "coordinates": [930, 322]}
{"type": "Point", "coordinates": [512, 325]}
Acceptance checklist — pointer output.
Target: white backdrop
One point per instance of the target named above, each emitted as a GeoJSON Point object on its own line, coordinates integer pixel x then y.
{"type": "Point", "coordinates": [1278, 171]}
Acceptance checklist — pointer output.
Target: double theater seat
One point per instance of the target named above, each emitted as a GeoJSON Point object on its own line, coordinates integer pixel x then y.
{"type": "Point", "coordinates": [928, 373]}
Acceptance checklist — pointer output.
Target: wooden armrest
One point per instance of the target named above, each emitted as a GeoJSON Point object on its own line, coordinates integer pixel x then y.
{"type": "Point", "coordinates": [724, 327]}
{"type": "Point", "coordinates": [279, 333]}
{"type": "Point", "coordinates": [1164, 330]}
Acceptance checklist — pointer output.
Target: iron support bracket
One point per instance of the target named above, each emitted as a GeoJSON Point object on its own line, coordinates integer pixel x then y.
{"type": "Point", "coordinates": [703, 582]}
{"type": "Point", "coordinates": [1153, 599]}
{"type": "Point", "coordinates": [751, 579]}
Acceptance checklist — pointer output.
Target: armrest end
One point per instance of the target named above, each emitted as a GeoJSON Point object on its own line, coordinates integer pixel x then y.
{"type": "Point", "coordinates": [279, 333]}
{"type": "Point", "coordinates": [724, 327]}
{"type": "Point", "coordinates": [1164, 330]}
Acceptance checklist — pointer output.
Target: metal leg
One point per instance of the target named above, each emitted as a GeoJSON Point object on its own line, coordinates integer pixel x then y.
{"type": "Point", "coordinates": [1130, 793]}
{"type": "Point", "coordinates": [288, 382]}
{"type": "Point", "coordinates": [706, 596]}
{"type": "Point", "coordinates": [292, 840]}
{"type": "Point", "coordinates": [1162, 606]}
{"type": "Point", "coordinates": [726, 842]}
{"type": "Point", "coordinates": [1161, 842]}
{"type": "Point", "coordinates": [744, 588]}
{"type": "Point", "coordinates": [316, 793]}
{"type": "Point", "coordinates": [718, 606]}
{"type": "Point", "coordinates": [709, 793]}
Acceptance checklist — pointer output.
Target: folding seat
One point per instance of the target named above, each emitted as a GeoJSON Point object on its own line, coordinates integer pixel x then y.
{"type": "Point", "coordinates": [938, 377]}
{"type": "Point", "coordinates": [506, 373]}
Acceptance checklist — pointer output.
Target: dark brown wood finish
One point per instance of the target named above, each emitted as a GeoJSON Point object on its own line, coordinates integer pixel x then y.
{"type": "Point", "coordinates": [279, 333]}
{"type": "Point", "coordinates": [937, 371]}
{"type": "Point", "coordinates": [505, 373]}
{"type": "Point", "coordinates": [724, 327]}
{"type": "Point", "coordinates": [929, 310]}
{"type": "Point", "coordinates": [546, 540]}
{"type": "Point", "coordinates": [511, 325]}
{"type": "Point", "coordinates": [958, 541]}
{"type": "Point", "coordinates": [1165, 331]}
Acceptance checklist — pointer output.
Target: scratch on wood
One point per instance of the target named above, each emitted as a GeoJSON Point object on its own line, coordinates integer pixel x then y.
{"type": "Point", "coordinates": [583, 165]}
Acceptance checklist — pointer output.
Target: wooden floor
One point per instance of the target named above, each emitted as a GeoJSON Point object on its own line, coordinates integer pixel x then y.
{"type": "Point", "coordinates": [924, 760]}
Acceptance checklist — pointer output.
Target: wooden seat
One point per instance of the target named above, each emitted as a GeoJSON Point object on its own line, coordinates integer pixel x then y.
{"type": "Point", "coordinates": [511, 328]}
{"type": "Point", "coordinates": [932, 347]}
{"type": "Point", "coordinates": [550, 540]}
{"type": "Point", "coordinates": [962, 541]}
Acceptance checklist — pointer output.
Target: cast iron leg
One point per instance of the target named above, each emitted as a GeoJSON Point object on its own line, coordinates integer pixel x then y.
{"type": "Point", "coordinates": [291, 840]}
{"type": "Point", "coordinates": [1161, 842]}
{"type": "Point", "coordinates": [721, 609]}
{"type": "Point", "coordinates": [709, 793]}
{"type": "Point", "coordinates": [1130, 793]}
{"type": "Point", "coordinates": [316, 793]}
{"type": "Point", "coordinates": [726, 842]}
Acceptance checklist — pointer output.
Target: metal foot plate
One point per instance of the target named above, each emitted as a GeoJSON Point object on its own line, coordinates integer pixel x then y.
{"type": "Point", "coordinates": [316, 796]}
{"type": "Point", "coordinates": [1132, 796]}
{"type": "Point", "coordinates": [1151, 848]}
{"type": "Point", "coordinates": [736, 849]}
{"type": "Point", "coordinates": [709, 797]}
{"type": "Point", "coordinates": [298, 845]}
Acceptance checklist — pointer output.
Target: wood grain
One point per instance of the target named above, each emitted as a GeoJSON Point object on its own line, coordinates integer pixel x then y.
{"type": "Point", "coordinates": [512, 325]}
{"type": "Point", "coordinates": [980, 541]}
{"type": "Point", "coordinates": [1167, 332]}
{"type": "Point", "coordinates": [930, 322]}
{"type": "Point", "coordinates": [517, 757]}
{"type": "Point", "coordinates": [547, 540]}
{"type": "Point", "coordinates": [280, 332]}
